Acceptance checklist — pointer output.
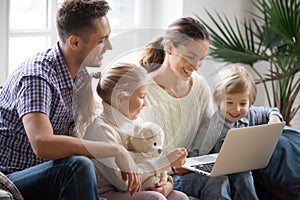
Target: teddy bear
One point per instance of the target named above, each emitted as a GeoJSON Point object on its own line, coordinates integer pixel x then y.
{"type": "Point", "coordinates": [146, 143]}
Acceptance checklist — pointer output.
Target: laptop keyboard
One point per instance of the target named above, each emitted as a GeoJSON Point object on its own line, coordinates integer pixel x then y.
{"type": "Point", "coordinates": [205, 167]}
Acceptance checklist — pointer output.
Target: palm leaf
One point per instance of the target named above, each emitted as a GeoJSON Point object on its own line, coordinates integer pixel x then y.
{"type": "Point", "coordinates": [230, 45]}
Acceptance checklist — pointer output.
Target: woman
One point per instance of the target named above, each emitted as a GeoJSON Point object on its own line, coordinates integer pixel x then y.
{"type": "Point", "coordinates": [180, 102]}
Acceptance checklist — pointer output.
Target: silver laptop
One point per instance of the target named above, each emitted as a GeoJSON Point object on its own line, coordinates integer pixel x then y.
{"type": "Point", "coordinates": [243, 149]}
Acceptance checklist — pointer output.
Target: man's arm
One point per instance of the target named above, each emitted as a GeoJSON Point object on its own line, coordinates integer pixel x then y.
{"type": "Point", "coordinates": [49, 146]}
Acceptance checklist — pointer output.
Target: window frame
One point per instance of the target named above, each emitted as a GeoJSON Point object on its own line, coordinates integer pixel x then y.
{"type": "Point", "coordinates": [49, 32]}
{"type": "Point", "coordinates": [4, 40]}
{"type": "Point", "coordinates": [7, 33]}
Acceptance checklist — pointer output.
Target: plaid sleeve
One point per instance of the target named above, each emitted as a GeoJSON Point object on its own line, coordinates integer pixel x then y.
{"type": "Point", "coordinates": [34, 95]}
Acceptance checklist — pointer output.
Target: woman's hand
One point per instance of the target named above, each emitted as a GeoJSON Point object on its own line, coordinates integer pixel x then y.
{"type": "Point", "coordinates": [180, 170]}
{"type": "Point", "coordinates": [177, 157]}
{"type": "Point", "coordinates": [164, 188]}
{"type": "Point", "coordinates": [129, 171]}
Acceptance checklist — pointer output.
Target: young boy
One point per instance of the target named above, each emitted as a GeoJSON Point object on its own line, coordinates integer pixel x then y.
{"type": "Point", "coordinates": [234, 94]}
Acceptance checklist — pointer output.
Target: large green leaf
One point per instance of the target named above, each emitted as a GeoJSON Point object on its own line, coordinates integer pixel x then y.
{"type": "Point", "coordinates": [235, 56]}
{"type": "Point", "coordinates": [282, 24]}
{"type": "Point", "coordinates": [232, 47]}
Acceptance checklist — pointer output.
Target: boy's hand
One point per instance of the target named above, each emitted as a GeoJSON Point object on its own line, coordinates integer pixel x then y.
{"type": "Point", "coordinates": [274, 119]}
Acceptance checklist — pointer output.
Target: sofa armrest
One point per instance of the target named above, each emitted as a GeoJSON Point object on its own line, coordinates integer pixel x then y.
{"type": "Point", "coordinates": [8, 188]}
{"type": "Point", "coordinates": [4, 195]}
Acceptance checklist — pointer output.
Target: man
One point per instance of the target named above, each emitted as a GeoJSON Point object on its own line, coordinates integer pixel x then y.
{"type": "Point", "coordinates": [38, 152]}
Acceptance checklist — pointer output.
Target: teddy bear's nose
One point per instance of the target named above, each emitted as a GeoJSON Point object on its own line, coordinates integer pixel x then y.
{"type": "Point", "coordinates": [159, 151]}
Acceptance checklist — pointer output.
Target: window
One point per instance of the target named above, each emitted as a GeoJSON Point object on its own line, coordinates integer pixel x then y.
{"type": "Point", "coordinates": [23, 13]}
{"type": "Point", "coordinates": [31, 28]}
{"type": "Point", "coordinates": [28, 27]}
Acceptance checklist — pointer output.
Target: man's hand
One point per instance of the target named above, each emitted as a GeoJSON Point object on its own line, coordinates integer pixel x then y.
{"type": "Point", "coordinates": [134, 181]}
{"type": "Point", "coordinates": [129, 171]}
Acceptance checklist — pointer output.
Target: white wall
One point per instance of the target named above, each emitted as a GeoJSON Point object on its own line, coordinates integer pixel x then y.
{"type": "Point", "coordinates": [166, 11]}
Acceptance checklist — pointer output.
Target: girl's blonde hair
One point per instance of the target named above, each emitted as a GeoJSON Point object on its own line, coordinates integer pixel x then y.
{"type": "Point", "coordinates": [121, 79]}
{"type": "Point", "coordinates": [234, 79]}
{"type": "Point", "coordinates": [85, 105]}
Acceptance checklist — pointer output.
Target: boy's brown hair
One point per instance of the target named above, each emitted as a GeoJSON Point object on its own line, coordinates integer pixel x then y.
{"type": "Point", "coordinates": [234, 79]}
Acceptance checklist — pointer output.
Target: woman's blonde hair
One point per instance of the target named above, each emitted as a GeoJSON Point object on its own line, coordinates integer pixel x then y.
{"type": "Point", "coordinates": [234, 79]}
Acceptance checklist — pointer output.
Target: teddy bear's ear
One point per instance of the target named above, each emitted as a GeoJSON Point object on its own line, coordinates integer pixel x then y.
{"type": "Point", "coordinates": [152, 131]}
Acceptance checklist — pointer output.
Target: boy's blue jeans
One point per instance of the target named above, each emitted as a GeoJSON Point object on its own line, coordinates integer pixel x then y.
{"type": "Point", "coordinates": [282, 175]}
{"type": "Point", "coordinates": [234, 186]}
{"type": "Point", "coordinates": [71, 178]}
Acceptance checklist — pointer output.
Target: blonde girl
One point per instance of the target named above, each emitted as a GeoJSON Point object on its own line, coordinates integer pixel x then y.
{"type": "Point", "coordinates": [123, 90]}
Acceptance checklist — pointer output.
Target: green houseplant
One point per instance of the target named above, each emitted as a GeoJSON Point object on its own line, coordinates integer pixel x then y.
{"type": "Point", "coordinates": [272, 35]}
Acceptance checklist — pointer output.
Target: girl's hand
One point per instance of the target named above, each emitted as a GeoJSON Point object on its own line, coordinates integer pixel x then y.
{"type": "Point", "coordinates": [177, 157]}
{"type": "Point", "coordinates": [164, 188]}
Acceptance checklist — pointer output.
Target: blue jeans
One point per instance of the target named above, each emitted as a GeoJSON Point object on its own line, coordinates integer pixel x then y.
{"type": "Point", "coordinates": [282, 175]}
{"type": "Point", "coordinates": [233, 186]}
{"type": "Point", "coordinates": [71, 178]}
